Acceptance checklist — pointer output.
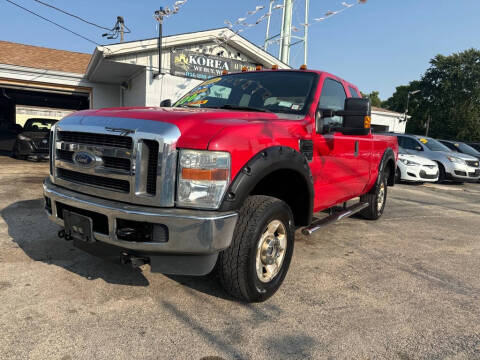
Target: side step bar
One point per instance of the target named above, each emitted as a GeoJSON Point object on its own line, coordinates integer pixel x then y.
{"type": "Point", "coordinates": [318, 224]}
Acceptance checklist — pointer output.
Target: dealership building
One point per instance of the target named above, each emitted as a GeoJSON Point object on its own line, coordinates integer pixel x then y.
{"type": "Point", "coordinates": [127, 74]}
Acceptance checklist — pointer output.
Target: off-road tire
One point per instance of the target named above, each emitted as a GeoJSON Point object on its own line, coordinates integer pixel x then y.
{"type": "Point", "coordinates": [236, 267]}
{"type": "Point", "coordinates": [372, 211]}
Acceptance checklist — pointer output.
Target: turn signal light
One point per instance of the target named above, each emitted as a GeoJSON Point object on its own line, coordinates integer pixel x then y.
{"type": "Point", "coordinates": [205, 174]}
{"type": "Point", "coordinates": [244, 69]}
{"type": "Point", "coordinates": [303, 67]}
{"type": "Point", "coordinates": [367, 122]}
{"type": "Point", "coordinates": [275, 67]}
{"type": "Point", "coordinates": [224, 72]}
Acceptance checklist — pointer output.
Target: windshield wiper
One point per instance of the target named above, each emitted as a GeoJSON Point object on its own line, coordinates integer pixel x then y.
{"type": "Point", "coordinates": [238, 107]}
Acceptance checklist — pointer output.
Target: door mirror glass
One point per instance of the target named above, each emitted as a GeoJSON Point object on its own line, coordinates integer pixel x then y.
{"type": "Point", "coordinates": [166, 103]}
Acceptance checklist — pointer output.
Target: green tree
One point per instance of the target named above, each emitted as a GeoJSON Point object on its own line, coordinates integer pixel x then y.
{"type": "Point", "coordinates": [449, 95]}
{"type": "Point", "coordinates": [374, 98]}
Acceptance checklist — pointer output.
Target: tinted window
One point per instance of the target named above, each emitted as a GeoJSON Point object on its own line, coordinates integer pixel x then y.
{"type": "Point", "coordinates": [333, 97]}
{"type": "Point", "coordinates": [466, 149]}
{"type": "Point", "coordinates": [285, 92]}
{"type": "Point", "coordinates": [38, 125]}
{"type": "Point", "coordinates": [409, 143]}
{"type": "Point", "coordinates": [449, 145]}
{"type": "Point", "coordinates": [353, 92]}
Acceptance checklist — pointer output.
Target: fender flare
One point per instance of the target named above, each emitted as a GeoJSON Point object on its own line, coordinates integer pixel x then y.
{"type": "Point", "coordinates": [261, 165]}
{"type": "Point", "coordinates": [388, 155]}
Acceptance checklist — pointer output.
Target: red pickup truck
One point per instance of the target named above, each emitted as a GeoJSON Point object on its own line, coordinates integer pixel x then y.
{"type": "Point", "coordinates": [222, 179]}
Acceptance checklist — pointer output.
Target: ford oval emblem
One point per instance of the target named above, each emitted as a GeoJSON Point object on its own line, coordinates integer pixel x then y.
{"type": "Point", "coordinates": [84, 159]}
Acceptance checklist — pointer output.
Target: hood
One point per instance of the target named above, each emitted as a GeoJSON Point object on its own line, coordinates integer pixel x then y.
{"type": "Point", "coordinates": [418, 159]}
{"type": "Point", "coordinates": [197, 126]}
{"type": "Point", "coordinates": [458, 155]}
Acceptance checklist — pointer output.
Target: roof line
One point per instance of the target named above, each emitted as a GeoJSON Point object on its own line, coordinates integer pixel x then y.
{"type": "Point", "coordinates": [43, 47]}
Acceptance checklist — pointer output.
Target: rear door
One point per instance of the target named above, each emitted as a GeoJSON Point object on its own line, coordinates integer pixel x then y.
{"type": "Point", "coordinates": [341, 163]}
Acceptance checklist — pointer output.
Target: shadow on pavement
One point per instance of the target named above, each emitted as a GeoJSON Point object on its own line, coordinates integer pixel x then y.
{"type": "Point", "coordinates": [36, 235]}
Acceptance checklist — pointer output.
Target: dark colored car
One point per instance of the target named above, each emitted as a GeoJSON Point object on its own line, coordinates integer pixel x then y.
{"type": "Point", "coordinates": [461, 147]}
{"type": "Point", "coordinates": [32, 141]}
{"type": "Point", "coordinates": [475, 145]}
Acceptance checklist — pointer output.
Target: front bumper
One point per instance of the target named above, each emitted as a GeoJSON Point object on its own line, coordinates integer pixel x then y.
{"type": "Point", "coordinates": [463, 172]}
{"type": "Point", "coordinates": [419, 173]}
{"type": "Point", "coordinates": [190, 232]}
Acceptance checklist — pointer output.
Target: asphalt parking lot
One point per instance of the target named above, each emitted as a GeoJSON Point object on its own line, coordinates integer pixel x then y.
{"type": "Point", "coordinates": [404, 287]}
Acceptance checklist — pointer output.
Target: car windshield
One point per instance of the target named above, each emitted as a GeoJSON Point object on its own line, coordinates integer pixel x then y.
{"type": "Point", "coordinates": [38, 125]}
{"type": "Point", "coordinates": [283, 92]}
{"type": "Point", "coordinates": [467, 149]}
{"type": "Point", "coordinates": [433, 144]}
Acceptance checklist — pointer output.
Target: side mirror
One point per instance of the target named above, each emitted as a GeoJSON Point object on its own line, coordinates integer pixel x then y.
{"type": "Point", "coordinates": [418, 148]}
{"type": "Point", "coordinates": [356, 116]}
{"type": "Point", "coordinates": [166, 103]}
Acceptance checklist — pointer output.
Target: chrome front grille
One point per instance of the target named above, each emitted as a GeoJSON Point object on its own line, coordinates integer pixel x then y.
{"type": "Point", "coordinates": [133, 164]}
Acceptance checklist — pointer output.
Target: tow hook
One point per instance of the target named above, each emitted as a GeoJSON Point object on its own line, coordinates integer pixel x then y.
{"type": "Point", "coordinates": [133, 261]}
{"type": "Point", "coordinates": [63, 235]}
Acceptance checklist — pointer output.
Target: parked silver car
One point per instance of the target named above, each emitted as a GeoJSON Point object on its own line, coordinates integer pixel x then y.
{"type": "Point", "coordinates": [453, 166]}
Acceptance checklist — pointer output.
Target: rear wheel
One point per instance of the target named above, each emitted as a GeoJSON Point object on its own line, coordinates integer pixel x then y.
{"type": "Point", "coordinates": [254, 266]}
{"type": "Point", "coordinates": [376, 199]}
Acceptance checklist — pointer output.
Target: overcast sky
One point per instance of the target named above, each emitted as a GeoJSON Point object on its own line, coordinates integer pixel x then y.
{"type": "Point", "coordinates": [378, 45]}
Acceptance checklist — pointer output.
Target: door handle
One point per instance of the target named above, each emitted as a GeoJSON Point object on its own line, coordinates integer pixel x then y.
{"type": "Point", "coordinates": [356, 148]}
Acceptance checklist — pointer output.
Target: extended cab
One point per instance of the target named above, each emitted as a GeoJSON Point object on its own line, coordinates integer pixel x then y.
{"type": "Point", "coordinates": [222, 179]}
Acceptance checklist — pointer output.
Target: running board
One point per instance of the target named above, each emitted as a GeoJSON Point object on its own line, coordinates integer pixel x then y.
{"type": "Point", "coordinates": [347, 212]}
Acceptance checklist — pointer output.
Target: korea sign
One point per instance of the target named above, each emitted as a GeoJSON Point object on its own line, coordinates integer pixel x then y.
{"type": "Point", "coordinates": [203, 66]}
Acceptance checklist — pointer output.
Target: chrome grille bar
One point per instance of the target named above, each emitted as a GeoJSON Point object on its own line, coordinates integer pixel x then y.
{"type": "Point", "coordinates": [142, 159]}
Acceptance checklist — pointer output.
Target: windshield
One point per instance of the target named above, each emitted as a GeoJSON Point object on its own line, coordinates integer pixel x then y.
{"type": "Point", "coordinates": [467, 149]}
{"type": "Point", "coordinates": [433, 144]}
{"type": "Point", "coordinates": [38, 125]}
{"type": "Point", "coordinates": [280, 92]}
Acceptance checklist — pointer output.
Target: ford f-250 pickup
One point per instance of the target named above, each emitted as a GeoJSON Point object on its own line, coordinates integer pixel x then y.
{"type": "Point", "coordinates": [222, 179]}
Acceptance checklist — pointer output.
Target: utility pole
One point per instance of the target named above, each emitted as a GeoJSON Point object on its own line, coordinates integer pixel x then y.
{"type": "Point", "coordinates": [286, 31]}
{"type": "Point", "coordinates": [159, 14]}
{"type": "Point", "coordinates": [121, 22]}
{"type": "Point", "coordinates": [305, 39]}
{"type": "Point", "coordinates": [267, 34]}
{"type": "Point", "coordinates": [429, 118]}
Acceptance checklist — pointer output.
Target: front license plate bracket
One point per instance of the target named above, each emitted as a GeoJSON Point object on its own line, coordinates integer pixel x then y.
{"type": "Point", "coordinates": [78, 226]}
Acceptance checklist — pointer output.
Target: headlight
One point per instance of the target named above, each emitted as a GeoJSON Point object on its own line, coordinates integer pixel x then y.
{"type": "Point", "coordinates": [456, 160]}
{"type": "Point", "coordinates": [409, 163]}
{"type": "Point", "coordinates": [25, 138]}
{"type": "Point", "coordinates": [203, 178]}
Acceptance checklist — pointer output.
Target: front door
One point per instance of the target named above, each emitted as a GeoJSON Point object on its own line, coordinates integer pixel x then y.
{"type": "Point", "coordinates": [341, 163]}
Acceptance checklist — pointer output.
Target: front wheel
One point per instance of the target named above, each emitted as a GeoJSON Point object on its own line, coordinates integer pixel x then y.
{"type": "Point", "coordinates": [254, 266]}
{"type": "Point", "coordinates": [376, 198]}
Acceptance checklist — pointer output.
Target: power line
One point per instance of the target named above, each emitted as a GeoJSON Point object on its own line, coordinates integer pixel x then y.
{"type": "Point", "coordinates": [54, 23]}
{"type": "Point", "coordinates": [73, 15]}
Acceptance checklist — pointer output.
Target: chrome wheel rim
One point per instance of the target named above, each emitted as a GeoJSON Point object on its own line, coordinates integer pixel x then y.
{"type": "Point", "coordinates": [381, 197]}
{"type": "Point", "coordinates": [271, 249]}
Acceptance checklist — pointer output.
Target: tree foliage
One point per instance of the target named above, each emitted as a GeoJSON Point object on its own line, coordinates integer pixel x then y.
{"type": "Point", "coordinates": [374, 98]}
{"type": "Point", "coordinates": [450, 96]}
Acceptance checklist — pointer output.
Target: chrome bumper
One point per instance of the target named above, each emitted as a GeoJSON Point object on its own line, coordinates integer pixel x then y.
{"type": "Point", "coordinates": [192, 232]}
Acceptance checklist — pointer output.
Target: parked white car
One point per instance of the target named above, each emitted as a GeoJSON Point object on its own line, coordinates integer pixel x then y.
{"type": "Point", "coordinates": [414, 168]}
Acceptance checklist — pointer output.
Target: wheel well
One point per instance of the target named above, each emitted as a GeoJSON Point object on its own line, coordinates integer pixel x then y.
{"type": "Point", "coordinates": [289, 186]}
{"type": "Point", "coordinates": [390, 170]}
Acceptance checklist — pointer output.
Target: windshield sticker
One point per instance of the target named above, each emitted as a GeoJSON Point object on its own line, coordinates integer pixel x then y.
{"type": "Point", "coordinates": [423, 140]}
{"type": "Point", "coordinates": [295, 107]}
{"type": "Point", "coordinates": [285, 104]}
{"type": "Point", "coordinates": [198, 102]}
